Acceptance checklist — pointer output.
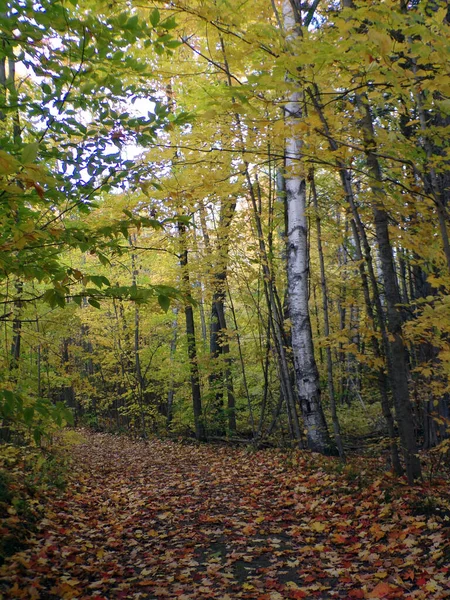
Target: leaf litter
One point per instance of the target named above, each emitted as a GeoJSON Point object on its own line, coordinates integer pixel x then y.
{"type": "Point", "coordinates": [160, 519]}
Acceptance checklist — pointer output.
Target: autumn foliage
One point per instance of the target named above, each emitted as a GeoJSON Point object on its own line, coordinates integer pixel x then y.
{"type": "Point", "coordinates": [225, 223]}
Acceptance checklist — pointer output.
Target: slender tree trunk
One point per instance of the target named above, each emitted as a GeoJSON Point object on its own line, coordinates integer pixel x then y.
{"type": "Point", "coordinates": [218, 311]}
{"type": "Point", "coordinates": [398, 356]}
{"type": "Point", "coordinates": [3, 80]}
{"type": "Point", "coordinates": [323, 283]}
{"type": "Point", "coordinates": [220, 382]}
{"type": "Point", "coordinates": [8, 88]}
{"type": "Point", "coordinates": [200, 433]}
{"type": "Point", "coordinates": [173, 347]}
{"type": "Point", "coordinates": [273, 304]}
{"type": "Point", "coordinates": [68, 393]}
{"type": "Point", "coordinates": [318, 331]}
{"type": "Point", "coordinates": [307, 375]}
{"type": "Point", "coordinates": [359, 233]}
{"type": "Point", "coordinates": [17, 328]}
{"type": "Point", "coordinates": [437, 184]}
{"type": "Point", "coordinates": [266, 365]}
{"type": "Point", "coordinates": [38, 359]}
{"type": "Point", "coordinates": [276, 313]}
{"type": "Point", "coordinates": [269, 285]}
{"type": "Point", "coordinates": [199, 284]}
{"type": "Point", "coordinates": [241, 357]}
{"type": "Point", "coordinates": [381, 376]}
{"type": "Point", "coordinates": [140, 383]}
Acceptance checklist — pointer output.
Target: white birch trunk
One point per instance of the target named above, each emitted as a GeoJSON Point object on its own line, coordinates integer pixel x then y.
{"type": "Point", "coordinates": [306, 372]}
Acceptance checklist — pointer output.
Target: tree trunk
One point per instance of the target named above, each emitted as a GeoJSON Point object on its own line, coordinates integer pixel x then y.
{"type": "Point", "coordinates": [359, 233]}
{"type": "Point", "coordinates": [17, 328]}
{"type": "Point", "coordinates": [323, 283]}
{"type": "Point", "coordinates": [173, 347]}
{"type": "Point", "coordinates": [140, 380]}
{"type": "Point", "coordinates": [398, 351]}
{"type": "Point", "coordinates": [200, 433]}
{"type": "Point", "coordinates": [307, 375]}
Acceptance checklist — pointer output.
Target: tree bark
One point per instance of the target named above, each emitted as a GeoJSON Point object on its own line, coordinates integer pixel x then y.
{"type": "Point", "coordinates": [398, 351]}
{"type": "Point", "coordinates": [307, 375]}
{"type": "Point", "coordinates": [200, 432]}
{"type": "Point", "coordinates": [359, 233]}
{"type": "Point", "coordinates": [173, 347]}
{"type": "Point", "coordinates": [323, 283]}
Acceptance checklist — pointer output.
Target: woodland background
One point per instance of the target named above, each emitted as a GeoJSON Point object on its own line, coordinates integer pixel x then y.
{"type": "Point", "coordinates": [152, 160]}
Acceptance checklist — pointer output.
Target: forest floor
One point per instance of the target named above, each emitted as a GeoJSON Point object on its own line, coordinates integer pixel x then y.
{"type": "Point", "coordinates": [159, 519]}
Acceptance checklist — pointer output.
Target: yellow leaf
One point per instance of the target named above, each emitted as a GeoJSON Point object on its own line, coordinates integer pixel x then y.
{"type": "Point", "coordinates": [248, 530]}
{"type": "Point", "coordinates": [431, 586]}
{"type": "Point", "coordinates": [381, 575]}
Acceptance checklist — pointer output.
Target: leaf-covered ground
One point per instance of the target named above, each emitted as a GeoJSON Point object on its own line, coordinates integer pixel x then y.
{"type": "Point", "coordinates": [167, 520]}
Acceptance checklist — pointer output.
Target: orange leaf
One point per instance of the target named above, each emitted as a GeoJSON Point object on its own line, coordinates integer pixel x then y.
{"type": "Point", "coordinates": [339, 539]}
{"type": "Point", "coordinates": [39, 189]}
{"type": "Point", "coordinates": [381, 590]}
{"type": "Point", "coordinates": [297, 594]}
{"type": "Point", "coordinates": [357, 593]}
{"type": "Point", "coordinates": [248, 530]}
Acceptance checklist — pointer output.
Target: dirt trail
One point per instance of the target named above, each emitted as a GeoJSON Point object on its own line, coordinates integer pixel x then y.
{"type": "Point", "coordinates": [166, 520]}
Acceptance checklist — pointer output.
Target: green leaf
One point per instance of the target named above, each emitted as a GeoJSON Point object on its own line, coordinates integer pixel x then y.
{"type": "Point", "coordinates": [67, 415]}
{"type": "Point", "coordinates": [42, 408]}
{"type": "Point", "coordinates": [37, 436]}
{"type": "Point", "coordinates": [7, 405]}
{"type": "Point", "coordinates": [103, 260]}
{"type": "Point", "coordinates": [155, 17]}
{"type": "Point", "coordinates": [8, 164]}
{"type": "Point", "coordinates": [98, 280]}
{"type": "Point", "coordinates": [169, 23]}
{"type": "Point", "coordinates": [30, 152]}
{"type": "Point", "coordinates": [49, 297]}
{"type": "Point", "coordinates": [60, 300]}
{"type": "Point", "coordinates": [132, 22]}
{"type": "Point", "coordinates": [164, 302]}
{"type": "Point", "coordinates": [122, 18]}
{"type": "Point", "coordinates": [28, 415]}
{"type": "Point", "coordinates": [94, 302]}
{"type": "Point", "coordinates": [173, 44]}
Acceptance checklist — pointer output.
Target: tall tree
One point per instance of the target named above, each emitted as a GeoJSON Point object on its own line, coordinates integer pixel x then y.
{"type": "Point", "coordinates": [306, 371]}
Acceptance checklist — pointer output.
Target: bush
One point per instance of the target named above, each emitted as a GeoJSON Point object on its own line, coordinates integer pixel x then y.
{"type": "Point", "coordinates": [27, 477]}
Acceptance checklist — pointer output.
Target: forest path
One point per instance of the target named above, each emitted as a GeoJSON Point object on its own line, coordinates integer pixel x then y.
{"type": "Point", "coordinates": [179, 521]}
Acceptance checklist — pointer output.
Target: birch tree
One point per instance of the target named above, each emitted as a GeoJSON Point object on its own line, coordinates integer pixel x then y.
{"type": "Point", "coordinates": [306, 371]}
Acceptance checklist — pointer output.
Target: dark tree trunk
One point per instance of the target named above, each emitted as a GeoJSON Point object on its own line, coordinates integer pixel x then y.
{"type": "Point", "coordinates": [398, 351]}
{"type": "Point", "coordinates": [173, 347]}
{"type": "Point", "coordinates": [323, 283]}
{"type": "Point", "coordinates": [360, 237]}
{"type": "Point", "coordinates": [200, 433]}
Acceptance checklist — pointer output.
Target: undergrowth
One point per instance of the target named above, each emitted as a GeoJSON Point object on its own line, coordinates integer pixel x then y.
{"type": "Point", "coordinates": [28, 476]}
